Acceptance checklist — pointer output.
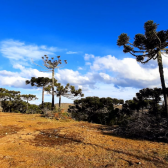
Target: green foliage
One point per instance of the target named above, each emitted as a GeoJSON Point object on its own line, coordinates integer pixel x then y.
{"type": "Point", "coordinates": [57, 110]}
{"type": "Point", "coordinates": [28, 97]}
{"type": "Point", "coordinates": [14, 105]}
{"type": "Point", "coordinates": [140, 40]}
{"type": "Point", "coordinates": [148, 44]}
{"type": "Point", "coordinates": [146, 47]}
{"type": "Point", "coordinates": [16, 111]}
{"type": "Point", "coordinates": [145, 99]}
{"type": "Point", "coordinates": [122, 39]}
{"type": "Point", "coordinates": [9, 95]}
{"type": "Point", "coordinates": [34, 109]}
{"type": "Point", "coordinates": [95, 109]}
{"type": "Point", "coordinates": [68, 91]}
{"type": "Point", "coordinates": [127, 49]}
{"type": "Point", "coordinates": [39, 82]}
{"type": "Point", "coordinates": [47, 105]}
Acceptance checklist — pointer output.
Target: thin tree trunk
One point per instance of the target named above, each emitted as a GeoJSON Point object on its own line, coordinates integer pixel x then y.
{"type": "Point", "coordinates": [52, 89]}
{"type": "Point", "coordinates": [159, 59]}
{"type": "Point", "coordinates": [43, 98]}
{"type": "Point", "coordinates": [1, 109]}
{"type": "Point", "coordinates": [59, 101]}
{"type": "Point", "coordinates": [27, 104]}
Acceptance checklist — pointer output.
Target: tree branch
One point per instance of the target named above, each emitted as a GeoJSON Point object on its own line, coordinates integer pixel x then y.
{"type": "Point", "coordinates": [37, 64]}
{"type": "Point", "coordinates": [158, 39]}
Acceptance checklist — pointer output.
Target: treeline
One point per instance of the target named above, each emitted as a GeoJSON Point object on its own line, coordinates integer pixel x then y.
{"type": "Point", "coordinates": [13, 101]}
{"type": "Point", "coordinates": [97, 110]}
{"type": "Point", "coordinates": [92, 109]}
{"type": "Point", "coordinates": [113, 111]}
{"type": "Point", "coordinates": [147, 99]}
{"type": "Point", "coordinates": [142, 117]}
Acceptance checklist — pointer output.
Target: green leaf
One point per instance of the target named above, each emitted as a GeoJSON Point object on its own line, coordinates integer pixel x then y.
{"type": "Point", "coordinates": [122, 39]}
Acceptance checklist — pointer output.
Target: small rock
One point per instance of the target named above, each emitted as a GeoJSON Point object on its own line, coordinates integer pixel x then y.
{"type": "Point", "coordinates": [7, 157]}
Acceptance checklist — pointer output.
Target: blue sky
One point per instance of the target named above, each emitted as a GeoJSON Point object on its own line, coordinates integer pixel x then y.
{"type": "Point", "coordinates": [84, 33]}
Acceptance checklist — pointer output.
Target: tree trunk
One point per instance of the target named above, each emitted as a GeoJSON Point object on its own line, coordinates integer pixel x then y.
{"type": "Point", "coordinates": [10, 104]}
{"type": "Point", "coordinates": [27, 104]}
{"type": "Point", "coordinates": [0, 107]}
{"type": "Point", "coordinates": [52, 108]}
{"type": "Point", "coordinates": [59, 101]}
{"type": "Point", "coordinates": [43, 98]}
{"type": "Point", "coordinates": [159, 59]}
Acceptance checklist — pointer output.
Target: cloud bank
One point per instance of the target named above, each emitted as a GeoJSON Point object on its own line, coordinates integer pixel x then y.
{"type": "Point", "coordinates": [120, 76]}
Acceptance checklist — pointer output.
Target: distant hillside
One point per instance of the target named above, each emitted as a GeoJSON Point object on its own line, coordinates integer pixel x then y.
{"type": "Point", "coordinates": [64, 105]}
{"type": "Point", "coordinates": [118, 106]}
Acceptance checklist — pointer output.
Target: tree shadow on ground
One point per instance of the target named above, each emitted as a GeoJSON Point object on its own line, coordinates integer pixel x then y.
{"type": "Point", "coordinates": [52, 137]}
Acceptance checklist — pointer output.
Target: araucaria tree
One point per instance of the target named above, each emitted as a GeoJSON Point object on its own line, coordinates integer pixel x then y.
{"type": "Point", "coordinates": [28, 97]}
{"type": "Point", "coordinates": [9, 95]}
{"type": "Point", "coordinates": [52, 65]}
{"type": "Point", "coordinates": [148, 46]}
{"type": "Point", "coordinates": [39, 82]}
{"type": "Point", "coordinates": [68, 91]}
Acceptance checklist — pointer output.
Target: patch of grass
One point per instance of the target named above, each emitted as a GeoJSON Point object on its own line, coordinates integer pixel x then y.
{"type": "Point", "coordinates": [53, 137]}
{"type": "Point", "coordinates": [8, 130]}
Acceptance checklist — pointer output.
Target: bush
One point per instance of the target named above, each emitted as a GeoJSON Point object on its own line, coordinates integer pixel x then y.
{"type": "Point", "coordinates": [16, 111]}
{"type": "Point", "coordinates": [145, 126]}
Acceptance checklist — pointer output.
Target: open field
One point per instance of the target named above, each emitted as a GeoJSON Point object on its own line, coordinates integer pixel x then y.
{"type": "Point", "coordinates": [30, 141]}
{"type": "Point", "coordinates": [64, 106]}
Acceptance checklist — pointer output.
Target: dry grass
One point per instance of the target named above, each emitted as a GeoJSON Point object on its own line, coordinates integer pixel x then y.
{"type": "Point", "coordinates": [64, 106]}
{"type": "Point", "coordinates": [35, 142]}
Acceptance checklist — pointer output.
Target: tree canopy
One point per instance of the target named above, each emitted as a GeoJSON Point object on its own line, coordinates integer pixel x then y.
{"type": "Point", "coordinates": [68, 91]}
{"type": "Point", "coordinates": [29, 97]}
{"type": "Point", "coordinates": [39, 82]}
{"type": "Point", "coordinates": [146, 47]}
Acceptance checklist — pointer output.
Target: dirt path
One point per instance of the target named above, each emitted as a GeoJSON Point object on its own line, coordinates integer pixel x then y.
{"type": "Point", "coordinates": [30, 141]}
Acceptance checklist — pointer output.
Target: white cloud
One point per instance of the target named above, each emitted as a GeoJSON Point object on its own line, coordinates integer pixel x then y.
{"type": "Point", "coordinates": [105, 76]}
{"type": "Point", "coordinates": [126, 72]}
{"type": "Point", "coordinates": [80, 68]}
{"type": "Point", "coordinates": [18, 66]}
{"type": "Point", "coordinates": [8, 73]}
{"type": "Point", "coordinates": [88, 56]}
{"type": "Point", "coordinates": [71, 52]}
{"type": "Point", "coordinates": [64, 76]}
{"type": "Point", "coordinates": [70, 76]}
{"type": "Point", "coordinates": [108, 75]}
{"type": "Point", "coordinates": [87, 63]}
{"type": "Point", "coordinates": [19, 51]}
{"type": "Point", "coordinates": [109, 90]}
{"type": "Point", "coordinates": [17, 79]}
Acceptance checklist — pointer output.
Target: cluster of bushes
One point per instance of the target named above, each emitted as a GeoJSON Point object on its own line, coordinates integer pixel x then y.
{"type": "Point", "coordinates": [97, 110]}
{"type": "Point", "coordinates": [142, 117]}
{"type": "Point", "coordinates": [20, 106]}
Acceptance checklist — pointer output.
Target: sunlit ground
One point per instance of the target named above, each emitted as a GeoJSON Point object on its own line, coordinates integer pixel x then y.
{"type": "Point", "coordinates": [30, 141]}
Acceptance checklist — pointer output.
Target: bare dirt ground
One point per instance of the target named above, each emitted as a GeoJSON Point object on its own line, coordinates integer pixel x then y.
{"type": "Point", "coordinates": [30, 141]}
